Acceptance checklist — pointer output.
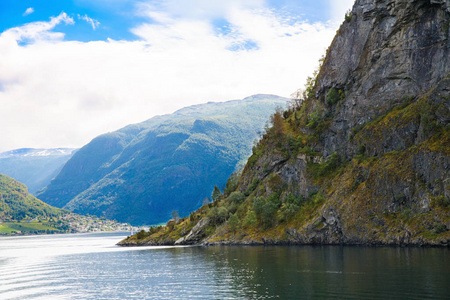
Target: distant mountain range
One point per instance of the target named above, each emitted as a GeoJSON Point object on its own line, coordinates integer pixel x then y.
{"type": "Point", "coordinates": [141, 173]}
{"type": "Point", "coordinates": [34, 167]}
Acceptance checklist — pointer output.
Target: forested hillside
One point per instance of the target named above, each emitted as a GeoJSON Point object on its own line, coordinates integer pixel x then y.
{"type": "Point", "coordinates": [17, 204]}
{"type": "Point", "coordinates": [143, 172]}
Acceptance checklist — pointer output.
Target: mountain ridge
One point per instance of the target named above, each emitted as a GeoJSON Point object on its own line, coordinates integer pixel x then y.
{"type": "Point", "coordinates": [34, 167]}
{"type": "Point", "coordinates": [25, 152]}
{"type": "Point", "coordinates": [126, 171]}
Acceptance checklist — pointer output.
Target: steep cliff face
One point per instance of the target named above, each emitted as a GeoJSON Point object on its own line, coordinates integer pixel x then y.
{"type": "Point", "coordinates": [381, 157]}
{"type": "Point", "coordinates": [365, 159]}
{"type": "Point", "coordinates": [386, 52]}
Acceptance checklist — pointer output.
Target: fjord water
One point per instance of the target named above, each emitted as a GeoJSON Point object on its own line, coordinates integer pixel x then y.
{"type": "Point", "coordinates": [90, 266]}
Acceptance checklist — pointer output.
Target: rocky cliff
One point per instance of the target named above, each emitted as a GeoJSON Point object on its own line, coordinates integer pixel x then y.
{"type": "Point", "coordinates": [363, 158]}
{"type": "Point", "coordinates": [387, 52]}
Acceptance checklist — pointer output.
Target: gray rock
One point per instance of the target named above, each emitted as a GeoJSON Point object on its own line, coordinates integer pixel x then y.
{"type": "Point", "coordinates": [195, 235]}
{"type": "Point", "coordinates": [388, 51]}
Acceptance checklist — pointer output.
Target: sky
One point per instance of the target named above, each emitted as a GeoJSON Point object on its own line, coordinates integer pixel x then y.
{"type": "Point", "coordinates": [72, 70]}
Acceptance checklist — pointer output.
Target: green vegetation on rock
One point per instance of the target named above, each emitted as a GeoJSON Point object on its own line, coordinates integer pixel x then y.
{"type": "Point", "coordinates": [368, 165]}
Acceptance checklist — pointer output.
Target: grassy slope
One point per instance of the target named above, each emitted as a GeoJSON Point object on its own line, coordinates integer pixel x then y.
{"type": "Point", "coordinates": [17, 205]}
{"type": "Point", "coordinates": [31, 227]}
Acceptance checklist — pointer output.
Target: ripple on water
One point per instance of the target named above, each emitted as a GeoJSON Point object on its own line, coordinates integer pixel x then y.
{"type": "Point", "coordinates": [90, 267]}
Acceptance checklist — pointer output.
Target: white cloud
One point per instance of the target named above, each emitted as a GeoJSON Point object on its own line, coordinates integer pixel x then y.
{"type": "Point", "coordinates": [94, 23]}
{"type": "Point", "coordinates": [36, 31]}
{"type": "Point", "coordinates": [200, 9]}
{"type": "Point", "coordinates": [28, 11]}
{"type": "Point", "coordinates": [57, 93]}
{"type": "Point", "coordinates": [339, 8]}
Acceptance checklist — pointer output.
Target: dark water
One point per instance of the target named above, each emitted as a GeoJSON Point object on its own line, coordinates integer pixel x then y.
{"type": "Point", "coordinates": [91, 267]}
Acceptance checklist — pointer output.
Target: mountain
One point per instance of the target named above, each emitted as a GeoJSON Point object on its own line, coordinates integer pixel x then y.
{"type": "Point", "coordinates": [17, 204]}
{"type": "Point", "coordinates": [363, 158]}
{"type": "Point", "coordinates": [143, 172]}
{"type": "Point", "coordinates": [34, 167]}
{"type": "Point", "coordinates": [22, 213]}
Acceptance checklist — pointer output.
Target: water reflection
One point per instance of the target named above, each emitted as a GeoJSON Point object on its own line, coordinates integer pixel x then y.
{"type": "Point", "coordinates": [90, 267]}
{"type": "Point", "coordinates": [341, 272]}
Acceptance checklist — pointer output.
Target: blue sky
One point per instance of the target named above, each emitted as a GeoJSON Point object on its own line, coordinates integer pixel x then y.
{"type": "Point", "coordinates": [71, 70]}
{"type": "Point", "coordinates": [116, 17]}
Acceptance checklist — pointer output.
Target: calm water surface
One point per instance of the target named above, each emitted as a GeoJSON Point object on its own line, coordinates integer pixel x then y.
{"type": "Point", "coordinates": [89, 266]}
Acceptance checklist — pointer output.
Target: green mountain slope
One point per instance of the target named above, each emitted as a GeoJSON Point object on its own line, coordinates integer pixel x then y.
{"type": "Point", "coordinates": [143, 172]}
{"type": "Point", "coordinates": [22, 213]}
{"type": "Point", "coordinates": [17, 204]}
{"type": "Point", "coordinates": [34, 167]}
{"type": "Point", "coordinates": [364, 158]}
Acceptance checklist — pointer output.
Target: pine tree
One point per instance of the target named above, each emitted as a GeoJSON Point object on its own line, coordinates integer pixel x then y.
{"type": "Point", "coordinates": [216, 194]}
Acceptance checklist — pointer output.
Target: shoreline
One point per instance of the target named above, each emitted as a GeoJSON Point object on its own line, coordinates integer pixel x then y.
{"type": "Point", "coordinates": [290, 244]}
{"type": "Point", "coordinates": [60, 233]}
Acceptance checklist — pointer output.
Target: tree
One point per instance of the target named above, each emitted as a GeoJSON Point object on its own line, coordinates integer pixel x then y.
{"type": "Point", "coordinates": [250, 218]}
{"type": "Point", "coordinates": [332, 97]}
{"type": "Point", "coordinates": [258, 204]}
{"type": "Point", "coordinates": [297, 99]}
{"type": "Point", "coordinates": [141, 234]}
{"type": "Point", "coordinates": [222, 214]}
{"type": "Point", "coordinates": [232, 183]}
{"type": "Point", "coordinates": [265, 209]}
{"type": "Point", "coordinates": [314, 119]}
{"type": "Point", "coordinates": [233, 222]}
{"type": "Point", "coordinates": [216, 194]}
{"type": "Point", "coordinates": [277, 123]}
{"type": "Point", "coordinates": [288, 210]}
{"type": "Point", "coordinates": [236, 197]}
{"type": "Point", "coordinates": [268, 212]}
{"type": "Point", "coordinates": [348, 15]}
{"type": "Point", "coordinates": [218, 215]}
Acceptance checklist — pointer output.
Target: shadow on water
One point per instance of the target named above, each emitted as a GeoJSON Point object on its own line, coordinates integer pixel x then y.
{"type": "Point", "coordinates": [328, 271]}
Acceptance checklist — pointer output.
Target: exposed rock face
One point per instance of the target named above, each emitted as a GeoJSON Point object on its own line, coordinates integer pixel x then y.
{"type": "Point", "coordinates": [392, 61]}
{"type": "Point", "coordinates": [376, 170]}
{"type": "Point", "coordinates": [388, 51]}
{"type": "Point", "coordinates": [195, 235]}
{"type": "Point", "coordinates": [327, 229]}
